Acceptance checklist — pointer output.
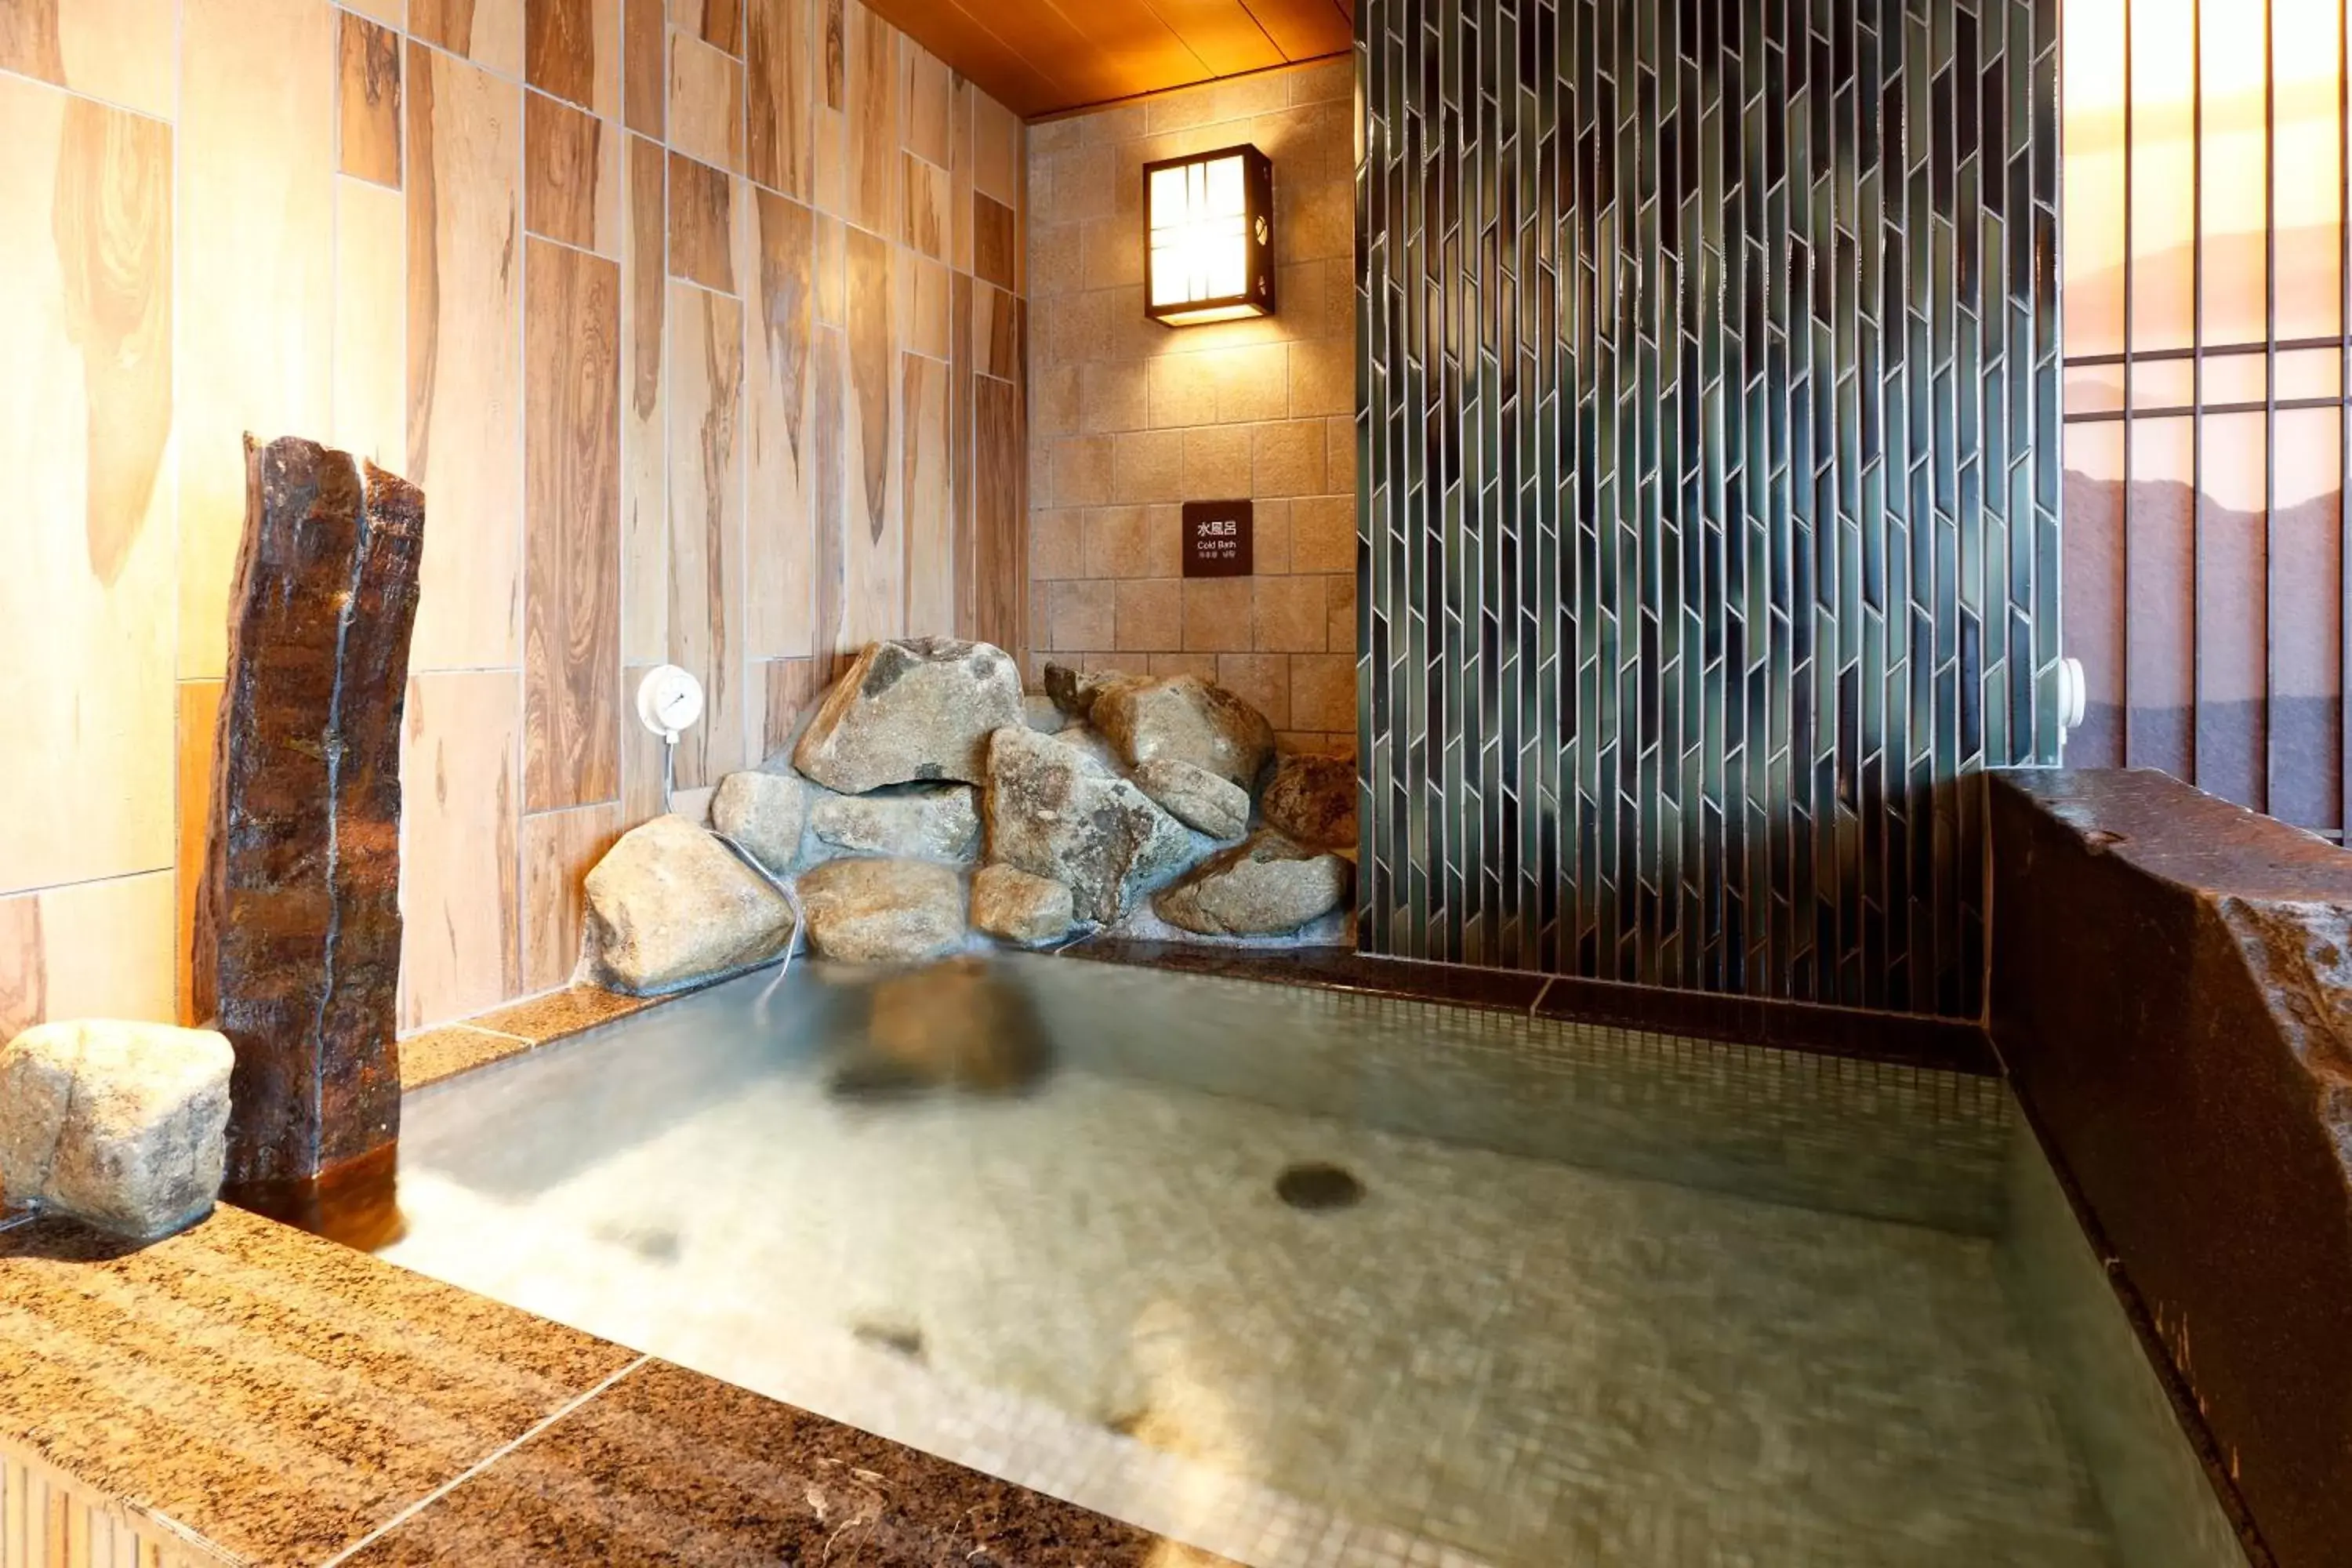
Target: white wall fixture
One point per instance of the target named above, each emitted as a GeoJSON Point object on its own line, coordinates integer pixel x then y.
{"type": "Point", "coordinates": [669, 701]}
{"type": "Point", "coordinates": [2074, 696]}
{"type": "Point", "coordinates": [1208, 233]}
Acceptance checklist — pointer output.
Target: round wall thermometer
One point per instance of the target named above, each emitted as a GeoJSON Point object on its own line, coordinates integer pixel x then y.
{"type": "Point", "coordinates": [669, 700]}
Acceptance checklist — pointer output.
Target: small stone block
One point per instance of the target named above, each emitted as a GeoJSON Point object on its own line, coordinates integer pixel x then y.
{"type": "Point", "coordinates": [121, 1125]}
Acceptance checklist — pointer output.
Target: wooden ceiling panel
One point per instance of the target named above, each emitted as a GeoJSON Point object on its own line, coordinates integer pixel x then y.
{"type": "Point", "coordinates": [1305, 29]}
{"type": "Point", "coordinates": [1037, 56]}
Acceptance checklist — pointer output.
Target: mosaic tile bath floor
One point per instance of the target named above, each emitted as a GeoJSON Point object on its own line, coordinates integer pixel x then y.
{"type": "Point", "coordinates": [1523, 1346]}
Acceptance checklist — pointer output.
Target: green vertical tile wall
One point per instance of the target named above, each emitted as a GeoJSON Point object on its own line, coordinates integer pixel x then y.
{"type": "Point", "coordinates": [1710, 482]}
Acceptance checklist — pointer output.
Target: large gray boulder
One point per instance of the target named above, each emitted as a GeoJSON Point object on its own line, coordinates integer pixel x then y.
{"type": "Point", "coordinates": [1010, 903]}
{"type": "Point", "coordinates": [1267, 886]}
{"type": "Point", "coordinates": [669, 906]}
{"type": "Point", "coordinates": [922, 822]}
{"type": "Point", "coordinates": [1195, 796]}
{"type": "Point", "coordinates": [1313, 800]}
{"type": "Point", "coordinates": [764, 813]}
{"type": "Point", "coordinates": [915, 710]}
{"type": "Point", "coordinates": [1184, 719]}
{"type": "Point", "coordinates": [1054, 812]}
{"type": "Point", "coordinates": [122, 1125]}
{"type": "Point", "coordinates": [883, 911]}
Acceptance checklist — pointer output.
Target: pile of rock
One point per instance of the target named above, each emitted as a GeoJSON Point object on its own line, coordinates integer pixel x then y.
{"type": "Point", "coordinates": [927, 800]}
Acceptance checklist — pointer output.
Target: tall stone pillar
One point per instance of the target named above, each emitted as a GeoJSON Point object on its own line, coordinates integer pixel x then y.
{"type": "Point", "coordinates": [297, 952]}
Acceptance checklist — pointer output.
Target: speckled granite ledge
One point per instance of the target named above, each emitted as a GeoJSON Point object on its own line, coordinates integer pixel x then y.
{"type": "Point", "coordinates": [512, 1030]}
{"type": "Point", "coordinates": [273, 1398]}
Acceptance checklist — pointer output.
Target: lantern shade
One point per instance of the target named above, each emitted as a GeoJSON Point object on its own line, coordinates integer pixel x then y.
{"type": "Point", "coordinates": [1208, 236]}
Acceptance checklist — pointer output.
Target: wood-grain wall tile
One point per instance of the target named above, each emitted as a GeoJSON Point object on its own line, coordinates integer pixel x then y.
{"type": "Point", "coordinates": [998, 150]}
{"type": "Point", "coordinates": [487, 32]}
{"type": "Point", "coordinates": [368, 99]}
{"type": "Point", "coordinates": [829, 105]}
{"type": "Point", "coordinates": [922, 300]}
{"type": "Point", "coordinates": [706, 102]}
{"type": "Point", "coordinates": [1000, 516]}
{"type": "Point", "coordinates": [572, 48]}
{"type": "Point", "coordinates": [641, 753]}
{"type": "Point", "coordinates": [960, 475]}
{"type": "Point", "coordinates": [924, 459]}
{"type": "Point", "coordinates": [371, 376]}
{"type": "Point", "coordinates": [793, 686]}
{"type": "Point", "coordinates": [391, 13]}
{"type": "Point", "coordinates": [959, 151]}
{"type": "Point", "coordinates": [465, 359]}
{"type": "Point", "coordinates": [89, 949]}
{"type": "Point", "coordinates": [198, 718]}
{"type": "Point", "coordinates": [644, 66]}
{"type": "Point", "coordinates": [559, 849]}
{"type": "Point", "coordinates": [874, 556]}
{"type": "Point", "coordinates": [701, 224]}
{"type": "Point", "coordinates": [829, 416]}
{"type": "Point", "coordinates": [780, 558]}
{"type": "Point", "coordinates": [715, 22]}
{"type": "Point", "coordinates": [85, 421]}
{"type": "Point", "coordinates": [779, 37]}
{"type": "Point", "coordinates": [829, 272]}
{"type": "Point", "coordinates": [644, 426]}
{"type": "Point", "coordinates": [928, 87]}
{"type": "Point", "coordinates": [995, 241]}
{"type": "Point", "coordinates": [461, 812]}
{"type": "Point", "coordinates": [255, 272]}
{"type": "Point", "coordinates": [706, 523]}
{"type": "Point", "coordinates": [124, 51]}
{"type": "Point", "coordinates": [928, 225]}
{"type": "Point", "coordinates": [571, 175]}
{"type": "Point", "coordinates": [571, 507]}
{"type": "Point", "coordinates": [871, 133]}
{"type": "Point", "coordinates": [996, 345]}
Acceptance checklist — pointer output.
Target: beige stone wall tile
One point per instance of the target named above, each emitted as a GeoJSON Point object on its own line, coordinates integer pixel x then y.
{"type": "Point", "coordinates": [1339, 454]}
{"type": "Point", "coordinates": [1201, 665]}
{"type": "Point", "coordinates": [1260, 680]}
{"type": "Point", "coordinates": [1290, 459]}
{"type": "Point", "coordinates": [1133, 541]}
{"type": "Point", "coordinates": [1323, 533]}
{"type": "Point", "coordinates": [1082, 470]}
{"type": "Point", "coordinates": [1339, 612]}
{"type": "Point", "coordinates": [1252, 382]}
{"type": "Point", "coordinates": [1148, 466]}
{"type": "Point", "coordinates": [1289, 614]}
{"type": "Point", "coordinates": [1057, 549]}
{"type": "Point", "coordinates": [1217, 615]}
{"type": "Point", "coordinates": [1150, 614]}
{"type": "Point", "coordinates": [1322, 691]}
{"type": "Point", "coordinates": [1081, 616]}
{"type": "Point", "coordinates": [1323, 377]}
{"type": "Point", "coordinates": [1114, 394]}
{"type": "Point", "coordinates": [1053, 400]}
{"type": "Point", "coordinates": [1183, 390]}
{"type": "Point", "coordinates": [1217, 464]}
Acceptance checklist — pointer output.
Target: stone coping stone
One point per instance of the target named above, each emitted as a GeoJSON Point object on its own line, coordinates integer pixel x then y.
{"type": "Point", "coordinates": [2171, 991]}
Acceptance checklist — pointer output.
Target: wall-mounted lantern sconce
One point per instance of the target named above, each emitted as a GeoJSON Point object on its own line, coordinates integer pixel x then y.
{"type": "Point", "coordinates": [1208, 232]}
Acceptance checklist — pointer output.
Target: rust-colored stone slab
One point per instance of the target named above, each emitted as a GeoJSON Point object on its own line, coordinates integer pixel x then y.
{"type": "Point", "coordinates": [2172, 994]}
{"type": "Point", "coordinates": [296, 949]}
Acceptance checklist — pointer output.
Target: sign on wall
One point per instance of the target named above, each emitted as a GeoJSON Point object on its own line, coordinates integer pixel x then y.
{"type": "Point", "coordinates": [1217, 538]}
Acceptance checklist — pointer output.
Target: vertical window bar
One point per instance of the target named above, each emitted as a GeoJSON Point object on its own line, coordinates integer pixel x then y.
{"type": "Point", "coordinates": [2196, 391]}
{"type": "Point", "coordinates": [2343, 439]}
{"type": "Point", "coordinates": [2131, 346]}
{"type": "Point", "coordinates": [2270, 402]}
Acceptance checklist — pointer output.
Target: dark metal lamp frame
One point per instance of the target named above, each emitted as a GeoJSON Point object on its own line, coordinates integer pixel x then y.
{"type": "Point", "coordinates": [1257, 298]}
